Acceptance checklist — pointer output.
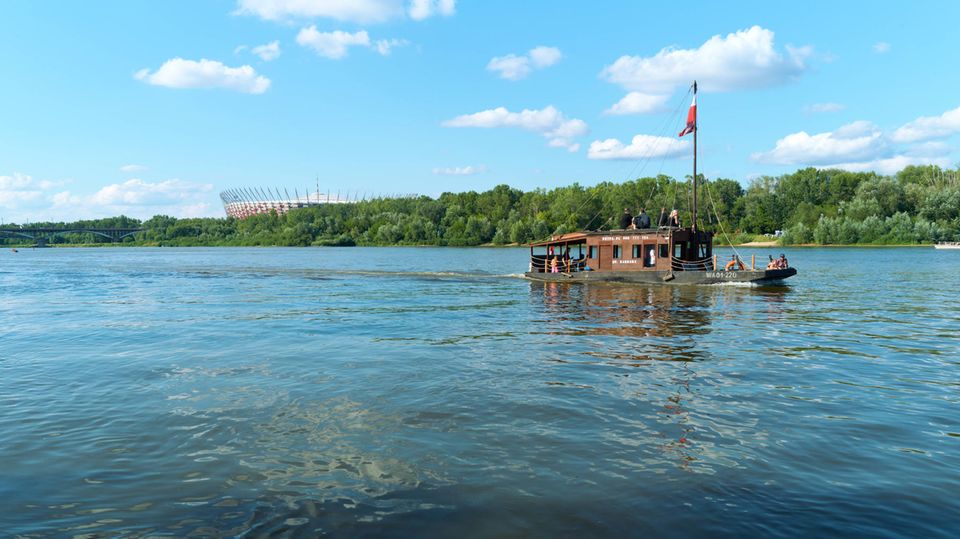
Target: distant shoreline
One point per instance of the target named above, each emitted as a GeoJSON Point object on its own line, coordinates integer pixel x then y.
{"type": "Point", "coordinates": [760, 244]}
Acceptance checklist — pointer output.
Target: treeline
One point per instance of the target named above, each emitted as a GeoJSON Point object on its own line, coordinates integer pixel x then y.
{"type": "Point", "coordinates": [918, 204]}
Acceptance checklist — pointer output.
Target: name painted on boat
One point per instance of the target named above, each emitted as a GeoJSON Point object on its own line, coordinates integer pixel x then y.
{"type": "Point", "coordinates": [721, 274]}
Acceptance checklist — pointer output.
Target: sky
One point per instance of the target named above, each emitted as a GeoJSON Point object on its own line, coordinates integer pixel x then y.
{"type": "Point", "coordinates": [141, 108]}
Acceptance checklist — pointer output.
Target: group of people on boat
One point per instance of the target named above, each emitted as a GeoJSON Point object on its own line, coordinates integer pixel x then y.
{"type": "Point", "coordinates": [778, 263]}
{"type": "Point", "coordinates": [641, 221]}
{"type": "Point", "coordinates": [558, 262]}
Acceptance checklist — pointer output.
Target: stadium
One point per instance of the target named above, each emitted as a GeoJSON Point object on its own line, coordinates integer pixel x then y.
{"type": "Point", "coordinates": [244, 202]}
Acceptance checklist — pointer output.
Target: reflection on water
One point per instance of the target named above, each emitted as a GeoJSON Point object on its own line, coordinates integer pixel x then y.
{"type": "Point", "coordinates": [429, 392]}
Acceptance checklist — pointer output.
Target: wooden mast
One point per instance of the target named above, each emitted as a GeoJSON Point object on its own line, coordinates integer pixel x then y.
{"type": "Point", "coordinates": [694, 223]}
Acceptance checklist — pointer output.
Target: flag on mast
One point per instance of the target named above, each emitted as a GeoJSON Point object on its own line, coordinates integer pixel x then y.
{"type": "Point", "coordinates": [691, 118]}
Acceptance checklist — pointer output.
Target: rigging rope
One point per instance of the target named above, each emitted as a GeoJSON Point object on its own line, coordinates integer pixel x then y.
{"type": "Point", "coordinates": [645, 159]}
{"type": "Point", "coordinates": [720, 223]}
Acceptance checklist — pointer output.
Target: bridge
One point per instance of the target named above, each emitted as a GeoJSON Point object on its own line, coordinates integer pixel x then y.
{"type": "Point", "coordinates": [40, 235]}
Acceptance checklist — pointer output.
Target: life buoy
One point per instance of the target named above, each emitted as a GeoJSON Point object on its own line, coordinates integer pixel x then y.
{"type": "Point", "coordinates": [735, 264]}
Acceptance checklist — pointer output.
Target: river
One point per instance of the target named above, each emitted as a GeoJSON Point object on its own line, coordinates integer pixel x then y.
{"type": "Point", "coordinates": [421, 392]}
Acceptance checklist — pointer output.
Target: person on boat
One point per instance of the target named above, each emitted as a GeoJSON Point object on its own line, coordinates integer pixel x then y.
{"type": "Point", "coordinates": [554, 265]}
{"type": "Point", "coordinates": [783, 262]}
{"type": "Point", "coordinates": [641, 220]}
{"type": "Point", "coordinates": [674, 219]}
{"type": "Point", "coordinates": [663, 219]}
{"type": "Point", "coordinates": [773, 263]}
{"type": "Point", "coordinates": [735, 264]}
{"type": "Point", "coordinates": [626, 219]}
{"type": "Point", "coordinates": [653, 257]}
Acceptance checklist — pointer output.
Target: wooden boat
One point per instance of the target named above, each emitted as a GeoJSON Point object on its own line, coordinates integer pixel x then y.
{"type": "Point", "coordinates": [947, 245]}
{"type": "Point", "coordinates": [667, 254]}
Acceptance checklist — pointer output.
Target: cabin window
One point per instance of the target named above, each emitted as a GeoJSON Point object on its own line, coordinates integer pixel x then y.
{"type": "Point", "coordinates": [636, 251]}
{"type": "Point", "coordinates": [664, 250]}
{"type": "Point", "coordinates": [593, 252]}
{"type": "Point", "coordinates": [678, 250]}
{"type": "Point", "coordinates": [616, 251]}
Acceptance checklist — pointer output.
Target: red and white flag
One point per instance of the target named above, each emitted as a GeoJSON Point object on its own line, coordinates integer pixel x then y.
{"type": "Point", "coordinates": [691, 118]}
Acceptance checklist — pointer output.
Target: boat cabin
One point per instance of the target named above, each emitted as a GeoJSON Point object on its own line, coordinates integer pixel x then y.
{"type": "Point", "coordinates": [662, 249]}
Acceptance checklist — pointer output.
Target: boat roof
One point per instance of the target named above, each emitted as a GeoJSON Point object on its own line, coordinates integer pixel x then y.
{"type": "Point", "coordinates": [577, 237]}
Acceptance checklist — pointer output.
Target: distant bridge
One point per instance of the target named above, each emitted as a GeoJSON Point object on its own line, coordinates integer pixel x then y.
{"type": "Point", "coordinates": [40, 235]}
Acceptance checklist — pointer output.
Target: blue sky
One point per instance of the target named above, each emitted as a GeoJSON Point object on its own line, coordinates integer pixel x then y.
{"type": "Point", "coordinates": [140, 108]}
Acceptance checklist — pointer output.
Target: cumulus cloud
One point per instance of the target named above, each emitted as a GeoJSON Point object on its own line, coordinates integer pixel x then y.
{"type": "Point", "coordinates": [360, 11]}
{"type": "Point", "coordinates": [137, 192]}
{"type": "Point", "coordinates": [929, 127]}
{"type": "Point", "coordinates": [639, 103]}
{"type": "Point", "coordinates": [357, 11]}
{"type": "Point", "coordinates": [468, 170]}
{"type": "Point", "coordinates": [641, 147]}
{"type": "Point", "coordinates": [19, 189]}
{"type": "Point", "coordinates": [180, 73]}
{"type": "Point", "coordinates": [856, 141]}
{"type": "Point", "coordinates": [513, 67]}
{"type": "Point", "coordinates": [25, 199]}
{"type": "Point", "coordinates": [823, 107]}
{"type": "Point", "coordinates": [859, 146]}
{"type": "Point", "coordinates": [132, 168]}
{"type": "Point", "coordinates": [741, 60]}
{"type": "Point", "coordinates": [881, 47]}
{"type": "Point", "coordinates": [549, 122]}
{"type": "Point", "coordinates": [385, 46]}
{"type": "Point", "coordinates": [891, 165]}
{"type": "Point", "coordinates": [334, 44]}
{"type": "Point", "coordinates": [422, 9]}
{"type": "Point", "coordinates": [268, 52]}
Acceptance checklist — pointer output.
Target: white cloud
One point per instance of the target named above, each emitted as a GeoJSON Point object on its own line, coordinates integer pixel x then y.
{"type": "Point", "coordinates": [853, 142]}
{"type": "Point", "coordinates": [881, 47]}
{"type": "Point", "coordinates": [460, 171]}
{"type": "Point", "coordinates": [25, 199]}
{"type": "Point", "coordinates": [268, 52]}
{"type": "Point", "coordinates": [360, 11]}
{"type": "Point", "coordinates": [17, 190]}
{"type": "Point", "coordinates": [137, 192]}
{"type": "Point", "coordinates": [356, 11]}
{"type": "Point", "coordinates": [823, 107]}
{"type": "Point", "coordinates": [639, 103]}
{"type": "Point", "coordinates": [421, 9]}
{"type": "Point", "coordinates": [891, 165]}
{"type": "Point", "coordinates": [513, 67]}
{"type": "Point", "coordinates": [859, 146]}
{"type": "Point", "coordinates": [549, 122]}
{"type": "Point", "coordinates": [385, 46]}
{"type": "Point", "coordinates": [132, 168]}
{"type": "Point", "coordinates": [641, 147]}
{"type": "Point", "coordinates": [542, 57]}
{"type": "Point", "coordinates": [744, 59]}
{"type": "Point", "coordinates": [928, 127]}
{"type": "Point", "coordinates": [180, 73]}
{"type": "Point", "coordinates": [332, 44]}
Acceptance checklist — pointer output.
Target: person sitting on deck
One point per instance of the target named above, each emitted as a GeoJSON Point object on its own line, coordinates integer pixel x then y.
{"type": "Point", "coordinates": [626, 219]}
{"type": "Point", "coordinates": [674, 219]}
{"type": "Point", "coordinates": [554, 266]}
{"type": "Point", "coordinates": [663, 220]}
{"type": "Point", "coordinates": [782, 262]}
{"type": "Point", "coordinates": [773, 264]}
{"type": "Point", "coordinates": [641, 220]}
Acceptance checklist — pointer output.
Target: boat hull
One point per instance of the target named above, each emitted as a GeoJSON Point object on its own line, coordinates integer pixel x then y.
{"type": "Point", "coordinates": [666, 277]}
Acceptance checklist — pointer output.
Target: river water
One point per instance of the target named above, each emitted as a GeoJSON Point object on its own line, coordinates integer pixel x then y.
{"type": "Point", "coordinates": [421, 392]}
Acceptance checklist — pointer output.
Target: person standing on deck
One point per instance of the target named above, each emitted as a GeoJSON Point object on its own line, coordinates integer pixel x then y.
{"type": "Point", "coordinates": [626, 219]}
